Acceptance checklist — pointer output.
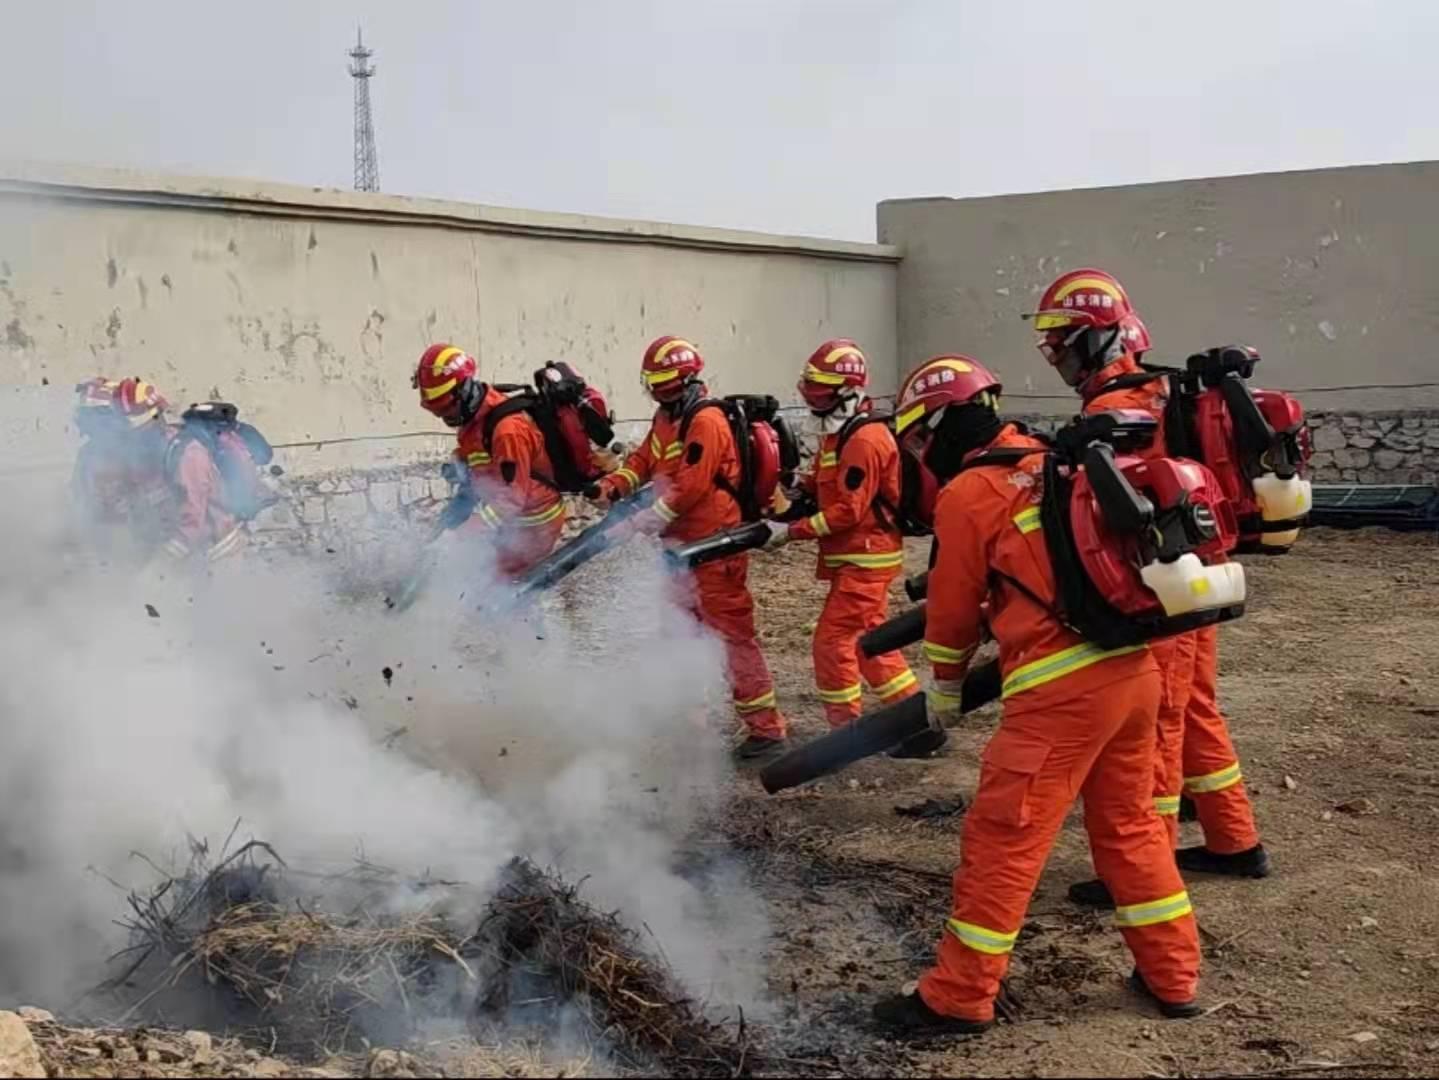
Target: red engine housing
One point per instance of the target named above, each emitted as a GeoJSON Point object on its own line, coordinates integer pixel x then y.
{"type": "Point", "coordinates": [1234, 465]}
{"type": "Point", "coordinates": [1178, 489]}
{"type": "Point", "coordinates": [766, 463]}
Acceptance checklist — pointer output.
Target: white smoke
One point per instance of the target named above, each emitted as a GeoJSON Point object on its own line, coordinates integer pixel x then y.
{"type": "Point", "coordinates": [587, 738]}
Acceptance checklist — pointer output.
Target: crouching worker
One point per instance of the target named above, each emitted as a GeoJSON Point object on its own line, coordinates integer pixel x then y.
{"type": "Point", "coordinates": [855, 488]}
{"type": "Point", "coordinates": [691, 457]}
{"type": "Point", "coordinates": [1077, 721]}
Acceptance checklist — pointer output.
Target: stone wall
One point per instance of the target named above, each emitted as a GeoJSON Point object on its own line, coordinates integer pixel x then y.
{"type": "Point", "coordinates": [1376, 448]}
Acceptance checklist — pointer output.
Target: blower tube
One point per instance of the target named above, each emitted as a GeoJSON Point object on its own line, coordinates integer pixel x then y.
{"type": "Point", "coordinates": [872, 733]}
{"type": "Point", "coordinates": [904, 629]}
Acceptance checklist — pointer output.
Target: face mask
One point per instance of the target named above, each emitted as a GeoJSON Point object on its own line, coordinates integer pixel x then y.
{"type": "Point", "coordinates": [962, 429]}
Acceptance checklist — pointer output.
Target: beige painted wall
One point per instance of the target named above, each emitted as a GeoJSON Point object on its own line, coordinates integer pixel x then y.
{"type": "Point", "coordinates": [1332, 274]}
{"type": "Point", "coordinates": [309, 308]}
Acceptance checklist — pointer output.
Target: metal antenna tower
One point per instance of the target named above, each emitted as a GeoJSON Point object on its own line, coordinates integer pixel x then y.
{"type": "Point", "coordinates": [367, 159]}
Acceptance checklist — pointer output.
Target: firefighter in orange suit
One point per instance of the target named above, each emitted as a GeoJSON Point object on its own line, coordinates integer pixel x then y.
{"type": "Point", "coordinates": [518, 500]}
{"type": "Point", "coordinates": [856, 487]}
{"type": "Point", "coordinates": [697, 481]}
{"type": "Point", "coordinates": [1094, 338]}
{"type": "Point", "coordinates": [1077, 720]}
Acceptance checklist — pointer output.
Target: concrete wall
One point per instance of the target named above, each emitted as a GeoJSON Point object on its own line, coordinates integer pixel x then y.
{"type": "Point", "coordinates": [308, 308]}
{"type": "Point", "coordinates": [1332, 274]}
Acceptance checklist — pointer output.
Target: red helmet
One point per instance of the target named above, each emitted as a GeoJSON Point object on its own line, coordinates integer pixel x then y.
{"type": "Point", "coordinates": [448, 381]}
{"type": "Point", "coordinates": [1136, 335]}
{"type": "Point", "coordinates": [942, 381]}
{"type": "Point", "coordinates": [138, 402]}
{"type": "Point", "coordinates": [670, 365]}
{"type": "Point", "coordinates": [1087, 322]}
{"type": "Point", "coordinates": [834, 371]}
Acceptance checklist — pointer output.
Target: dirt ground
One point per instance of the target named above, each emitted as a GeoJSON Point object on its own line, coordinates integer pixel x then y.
{"type": "Point", "coordinates": [1332, 686]}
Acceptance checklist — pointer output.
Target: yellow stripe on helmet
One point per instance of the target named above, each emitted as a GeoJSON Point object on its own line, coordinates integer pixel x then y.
{"type": "Point", "coordinates": [843, 350]}
{"type": "Point", "coordinates": [654, 378]}
{"type": "Point", "coordinates": [825, 378]}
{"type": "Point", "coordinates": [670, 346]}
{"type": "Point", "coordinates": [432, 392]}
{"type": "Point", "coordinates": [446, 355]}
{"type": "Point", "coordinates": [907, 418]}
{"type": "Point", "coordinates": [1088, 283]}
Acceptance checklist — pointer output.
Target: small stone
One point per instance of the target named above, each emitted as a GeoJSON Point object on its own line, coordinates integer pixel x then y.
{"type": "Point", "coordinates": [19, 1056]}
{"type": "Point", "coordinates": [1368, 923]}
{"type": "Point", "coordinates": [1388, 459]}
{"type": "Point", "coordinates": [1362, 442]}
{"type": "Point", "coordinates": [1326, 816]}
{"type": "Point", "coordinates": [390, 1065]}
{"type": "Point", "coordinates": [269, 1067]}
{"type": "Point", "coordinates": [1327, 329]}
{"type": "Point", "coordinates": [88, 1052]}
{"type": "Point", "coordinates": [202, 1046]}
{"type": "Point", "coordinates": [854, 785]}
{"type": "Point", "coordinates": [1290, 783]}
{"type": "Point", "coordinates": [1329, 438]}
{"type": "Point", "coordinates": [1364, 1037]}
{"type": "Point", "coordinates": [1304, 973]}
{"type": "Point", "coordinates": [32, 1015]}
{"type": "Point", "coordinates": [127, 1054]}
{"type": "Point", "coordinates": [1351, 458]}
{"type": "Point", "coordinates": [1432, 1045]}
{"type": "Point", "coordinates": [152, 1057]}
{"type": "Point", "coordinates": [1357, 807]}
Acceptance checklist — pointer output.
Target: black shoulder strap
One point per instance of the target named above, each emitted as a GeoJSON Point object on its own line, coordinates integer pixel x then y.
{"type": "Point", "coordinates": [522, 401]}
{"type": "Point", "coordinates": [853, 425]}
{"type": "Point", "coordinates": [694, 409]}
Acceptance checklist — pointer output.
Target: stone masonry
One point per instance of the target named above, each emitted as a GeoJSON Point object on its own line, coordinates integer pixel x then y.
{"type": "Point", "coordinates": [1376, 448]}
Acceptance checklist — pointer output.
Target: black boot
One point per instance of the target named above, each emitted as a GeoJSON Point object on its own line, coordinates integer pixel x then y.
{"type": "Point", "coordinates": [1253, 863]}
{"type": "Point", "coordinates": [758, 746]}
{"type": "Point", "coordinates": [1187, 810]}
{"type": "Point", "coordinates": [908, 1015]}
{"type": "Point", "coordinates": [1171, 1010]}
{"type": "Point", "coordinates": [1093, 894]}
{"type": "Point", "coordinates": [922, 744]}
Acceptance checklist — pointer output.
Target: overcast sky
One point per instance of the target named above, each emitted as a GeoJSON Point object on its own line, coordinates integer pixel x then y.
{"type": "Point", "coordinates": [785, 115]}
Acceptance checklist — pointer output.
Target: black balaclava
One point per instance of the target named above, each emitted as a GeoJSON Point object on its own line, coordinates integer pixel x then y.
{"type": "Point", "coordinates": [469, 396]}
{"type": "Point", "coordinates": [962, 429]}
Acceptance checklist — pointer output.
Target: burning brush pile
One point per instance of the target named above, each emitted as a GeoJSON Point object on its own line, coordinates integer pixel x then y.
{"type": "Point", "coordinates": [239, 938]}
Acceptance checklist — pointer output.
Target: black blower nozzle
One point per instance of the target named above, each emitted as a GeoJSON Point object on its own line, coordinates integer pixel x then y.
{"type": "Point", "coordinates": [873, 733]}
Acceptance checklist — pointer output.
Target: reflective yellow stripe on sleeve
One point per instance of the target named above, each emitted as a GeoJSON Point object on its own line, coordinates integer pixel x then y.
{"type": "Point", "coordinates": [489, 516]}
{"type": "Point", "coordinates": [663, 510]}
{"type": "Point", "coordinates": [829, 460]}
{"type": "Point", "coordinates": [943, 654]}
{"type": "Point", "coordinates": [479, 457]}
{"type": "Point", "coordinates": [673, 450]}
{"type": "Point", "coordinates": [980, 939]}
{"type": "Point", "coordinates": [1215, 781]}
{"type": "Point", "coordinates": [629, 476]}
{"type": "Point", "coordinates": [1058, 665]}
{"type": "Point", "coordinates": [884, 561]}
{"type": "Point", "coordinates": [842, 696]}
{"type": "Point", "coordinates": [819, 524]}
{"type": "Point", "coordinates": [1155, 911]}
{"type": "Point", "coordinates": [1027, 520]}
{"type": "Point", "coordinates": [1166, 805]}
{"type": "Point", "coordinates": [657, 448]}
{"type": "Point", "coordinates": [903, 681]}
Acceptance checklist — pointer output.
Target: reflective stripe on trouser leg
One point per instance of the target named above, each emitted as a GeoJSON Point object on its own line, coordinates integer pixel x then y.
{"type": "Point", "coordinates": [1134, 853]}
{"type": "Point", "coordinates": [724, 605]}
{"type": "Point", "coordinates": [1029, 771]}
{"type": "Point", "coordinates": [1211, 766]}
{"type": "Point", "coordinates": [856, 602]}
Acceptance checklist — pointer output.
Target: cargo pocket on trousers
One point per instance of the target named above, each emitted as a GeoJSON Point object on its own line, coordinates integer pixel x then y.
{"type": "Point", "coordinates": [1010, 764]}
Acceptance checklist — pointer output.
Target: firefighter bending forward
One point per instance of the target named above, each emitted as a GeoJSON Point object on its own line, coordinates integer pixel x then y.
{"type": "Point", "coordinates": [1077, 720]}
{"type": "Point", "coordinates": [856, 491]}
{"type": "Point", "coordinates": [1093, 337]}
{"type": "Point", "coordinates": [694, 482]}
{"type": "Point", "coordinates": [519, 502]}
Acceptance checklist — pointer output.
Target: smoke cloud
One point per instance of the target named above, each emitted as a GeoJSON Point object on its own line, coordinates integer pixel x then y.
{"type": "Point", "coordinates": [582, 732]}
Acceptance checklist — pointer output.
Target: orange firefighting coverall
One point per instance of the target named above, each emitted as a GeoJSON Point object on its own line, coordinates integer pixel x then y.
{"type": "Point", "coordinates": [514, 479]}
{"type": "Point", "coordinates": [860, 553]}
{"type": "Point", "coordinates": [202, 523]}
{"type": "Point", "coordinates": [693, 505]}
{"type": "Point", "coordinates": [1078, 721]}
{"type": "Point", "coordinates": [1196, 753]}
